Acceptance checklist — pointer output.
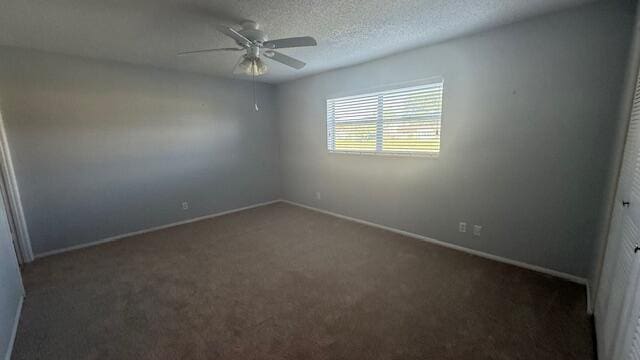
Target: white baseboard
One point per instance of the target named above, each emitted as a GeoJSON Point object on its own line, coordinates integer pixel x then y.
{"type": "Point", "coordinates": [540, 269]}
{"type": "Point", "coordinates": [14, 332]}
{"type": "Point", "coordinates": [144, 231]}
{"type": "Point", "coordinates": [555, 273]}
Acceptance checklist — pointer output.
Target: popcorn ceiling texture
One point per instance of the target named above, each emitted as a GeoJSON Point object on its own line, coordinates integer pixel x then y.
{"type": "Point", "coordinates": [348, 32]}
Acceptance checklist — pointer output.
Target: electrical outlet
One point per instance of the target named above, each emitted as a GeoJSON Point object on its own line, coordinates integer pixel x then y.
{"type": "Point", "coordinates": [185, 205]}
{"type": "Point", "coordinates": [462, 227]}
{"type": "Point", "coordinates": [318, 195]}
{"type": "Point", "coordinates": [477, 230]}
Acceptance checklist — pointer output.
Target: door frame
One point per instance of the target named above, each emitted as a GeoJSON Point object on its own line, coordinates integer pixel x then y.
{"type": "Point", "coordinates": [9, 187]}
{"type": "Point", "coordinates": [632, 72]}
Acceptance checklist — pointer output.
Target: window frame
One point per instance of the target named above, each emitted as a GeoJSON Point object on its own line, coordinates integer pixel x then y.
{"type": "Point", "coordinates": [374, 91]}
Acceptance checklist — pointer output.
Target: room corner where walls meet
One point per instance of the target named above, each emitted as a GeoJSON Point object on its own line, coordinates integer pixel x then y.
{"type": "Point", "coordinates": [122, 115]}
{"type": "Point", "coordinates": [523, 153]}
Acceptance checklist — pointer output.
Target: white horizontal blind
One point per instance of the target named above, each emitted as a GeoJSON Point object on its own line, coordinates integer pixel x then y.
{"type": "Point", "coordinates": [400, 121]}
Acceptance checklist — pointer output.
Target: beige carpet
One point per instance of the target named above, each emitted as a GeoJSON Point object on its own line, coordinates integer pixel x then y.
{"type": "Point", "coordinates": [282, 282]}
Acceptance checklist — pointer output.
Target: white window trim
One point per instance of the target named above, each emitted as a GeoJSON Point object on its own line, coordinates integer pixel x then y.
{"type": "Point", "coordinates": [383, 88]}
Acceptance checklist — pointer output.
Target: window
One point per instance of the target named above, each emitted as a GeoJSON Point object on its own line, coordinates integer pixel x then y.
{"type": "Point", "coordinates": [399, 121]}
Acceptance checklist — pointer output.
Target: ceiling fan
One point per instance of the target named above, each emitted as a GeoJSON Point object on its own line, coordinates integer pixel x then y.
{"type": "Point", "coordinates": [255, 43]}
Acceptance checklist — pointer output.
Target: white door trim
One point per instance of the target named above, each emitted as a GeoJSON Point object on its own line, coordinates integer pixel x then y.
{"type": "Point", "coordinates": [15, 210]}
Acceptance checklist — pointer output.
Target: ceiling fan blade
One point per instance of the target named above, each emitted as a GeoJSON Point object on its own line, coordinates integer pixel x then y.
{"type": "Point", "coordinates": [204, 51]}
{"type": "Point", "coordinates": [290, 42]}
{"type": "Point", "coordinates": [284, 59]}
{"type": "Point", "coordinates": [230, 32]}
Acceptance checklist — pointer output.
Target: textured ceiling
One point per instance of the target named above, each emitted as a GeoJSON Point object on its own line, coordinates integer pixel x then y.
{"type": "Point", "coordinates": [348, 31]}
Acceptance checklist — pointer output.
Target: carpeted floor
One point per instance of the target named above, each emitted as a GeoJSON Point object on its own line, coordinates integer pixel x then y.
{"type": "Point", "coordinates": [283, 282]}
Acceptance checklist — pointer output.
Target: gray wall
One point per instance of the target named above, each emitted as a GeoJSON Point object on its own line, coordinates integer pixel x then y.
{"type": "Point", "coordinates": [101, 148]}
{"type": "Point", "coordinates": [526, 141]}
{"type": "Point", "coordinates": [10, 284]}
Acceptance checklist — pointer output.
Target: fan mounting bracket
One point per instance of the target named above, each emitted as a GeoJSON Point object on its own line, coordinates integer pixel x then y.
{"type": "Point", "coordinates": [251, 31]}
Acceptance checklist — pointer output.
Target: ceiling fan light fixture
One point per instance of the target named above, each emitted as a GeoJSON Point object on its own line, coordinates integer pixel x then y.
{"type": "Point", "coordinates": [253, 66]}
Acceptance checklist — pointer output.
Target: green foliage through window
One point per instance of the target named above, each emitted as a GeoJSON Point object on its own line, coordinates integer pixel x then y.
{"type": "Point", "coordinates": [398, 121]}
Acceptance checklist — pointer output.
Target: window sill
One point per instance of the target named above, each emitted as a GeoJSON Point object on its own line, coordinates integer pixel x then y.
{"type": "Point", "coordinates": [386, 154]}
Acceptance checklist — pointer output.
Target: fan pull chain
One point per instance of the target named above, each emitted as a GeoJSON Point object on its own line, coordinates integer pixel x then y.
{"type": "Point", "coordinates": [253, 76]}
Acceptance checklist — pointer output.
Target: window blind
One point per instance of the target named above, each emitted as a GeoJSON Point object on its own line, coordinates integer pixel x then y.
{"type": "Point", "coordinates": [399, 121]}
